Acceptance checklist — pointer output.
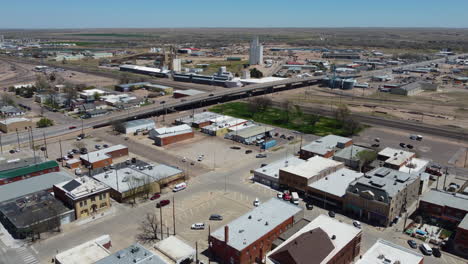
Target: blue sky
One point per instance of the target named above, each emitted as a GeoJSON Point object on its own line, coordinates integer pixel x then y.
{"type": "Point", "coordinates": [239, 13]}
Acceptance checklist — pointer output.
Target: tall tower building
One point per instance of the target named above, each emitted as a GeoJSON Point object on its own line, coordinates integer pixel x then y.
{"type": "Point", "coordinates": [256, 52]}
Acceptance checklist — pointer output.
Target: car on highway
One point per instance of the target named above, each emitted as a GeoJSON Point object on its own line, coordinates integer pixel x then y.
{"type": "Point", "coordinates": [163, 102]}
{"type": "Point", "coordinates": [71, 127]}
{"type": "Point", "coordinates": [403, 145]}
{"type": "Point", "coordinates": [412, 243]}
{"type": "Point", "coordinates": [198, 226]}
{"type": "Point", "coordinates": [331, 213]}
{"type": "Point", "coordinates": [216, 217]}
{"type": "Point", "coordinates": [155, 196]}
{"type": "Point", "coordinates": [261, 155]}
{"type": "Point", "coordinates": [357, 224]}
{"type": "Point", "coordinates": [162, 203]}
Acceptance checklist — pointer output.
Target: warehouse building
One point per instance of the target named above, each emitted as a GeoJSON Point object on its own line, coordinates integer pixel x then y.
{"type": "Point", "coordinates": [185, 93]}
{"type": "Point", "coordinates": [324, 240]}
{"type": "Point", "coordinates": [24, 172]}
{"type": "Point", "coordinates": [33, 214]}
{"type": "Point", "coordinates": [138, 125]}
{"type": "Point", "coordinates": [168, 135]}
{"type": "Point", "coordinates": [330, 190]}
{"type": "Point", "coordinates": [127, 182]}
{"type": "Point", "coordinates": [299, 177]}
{"type": "Point", "coordinates": [144, 70]}
{"type": "Point", "coordinates": [159, 88]}
{"type": "Point", "coordinates": [85, 195]}
{"type": "Point", "coordinates": [86, 253]}
{"type": "Point", "coordinates": [414, 88]}
{"type": "Point", "coordinates": [251, 134]}
{"type": "Point", "coordinates": [128, 87]}
{"type": "Point", "coordinates": [102, 158]}
{"type": "Point", "coordinates": [248, 238]}
{"type": "Point", "coordinates": [23, 158]}
{"type": "Point", "coordinates": [15, 123]}
{"type": "Point", "coordinates": [325, 146]}
{"type": "Point", "coordinates": [382, 195]}
{"type": "Point", "coordinates": [198, 120]}
{"type": "Point", "coordinates": [269, 174]}
{"type": "Point", "coordinates": [386, 252]}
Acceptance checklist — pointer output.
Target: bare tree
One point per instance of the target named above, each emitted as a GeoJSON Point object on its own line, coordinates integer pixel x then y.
{"type": "Point", "coordinates": [41, 83]}
{"type": "Point", "coordinates": [70, 91]}
{"type": "Point", "coordinates": [147, 180]}
{"type": "Point", "coordinates": [134, 187]}
{"type": "Point", "coordinates": [149, 227]}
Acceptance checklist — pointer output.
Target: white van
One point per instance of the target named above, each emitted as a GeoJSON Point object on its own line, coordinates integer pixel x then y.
{"type": "Point", "coordinates": [426, 249]}
{"type": "Point", "coordinates": [179, 187]}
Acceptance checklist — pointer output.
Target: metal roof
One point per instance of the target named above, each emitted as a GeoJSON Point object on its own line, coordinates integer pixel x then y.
{"type": "Point", "coordinates": [14, 120]}
{"type": "Point", "coordinates": [139, 122]}
{"type": "Point", "coordinates": [31, 185]}
{"type": "Point", "coordinates": [175, 248]}
{"type": "Point", "coordinates": [101, 154]}
{"type": "Point", "coordinates": [188, 92]}
{"type": "Point", "coordinates": [198, 118]}
{"type": "Point", "coordinates": [28, 170]}
{"type": "Point", "coordinates": [134, 254]}
{"type": "Point", "coordinates": [253, 131]}
{"type": "Point", "coordinates": [312, 167]}
{"type": "Point", "coordinates": [337, 182]}
{"type": "Point", "coordinates": [253, 225]}
{"type": "Point", "coordinates": [453, 200]}
{"type": "Point", "coordinates": [171, 130]}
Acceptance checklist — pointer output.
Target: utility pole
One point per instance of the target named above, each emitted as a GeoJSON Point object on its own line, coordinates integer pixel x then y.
{"type": "Point", "coordinates": [1, 146]}
{"type": "Point", "coordinates": [33, 147]}
{"type": "Point", "coordinates": [61, 154]}
{"type": "Point", "coordinates": [173, 214]}
{"type": "Point", "coordinates": [17, 137]}
{"type": "Point", "coordinates": [160, 221]}
{"type": "Point", "coordinates": [445, 180]}
{"type": "Point", "coordinates": [45, 144]}
{"type": "Point", "coordinates": [117, 179]}
{"type": "Point", "coordinates": [196, 252]}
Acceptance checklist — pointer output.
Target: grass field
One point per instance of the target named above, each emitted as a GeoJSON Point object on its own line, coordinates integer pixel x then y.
{"type": "Point", "coordinates": [231, 66]}
{"type": "Point", "coordinates": [273, 116]}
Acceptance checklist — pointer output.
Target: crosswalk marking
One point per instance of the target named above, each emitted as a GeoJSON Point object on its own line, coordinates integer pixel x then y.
{"type": "Point", "coordinates": [27, 257]}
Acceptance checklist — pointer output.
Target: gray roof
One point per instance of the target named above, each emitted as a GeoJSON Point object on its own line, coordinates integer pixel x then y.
{"type": "Point", "coordinates": [139, 122]}
{"type": "Point", "coordinates": [31, 185]}
{"type": "Point", "coordinates": [253, 131]}
{"type": "Point", "coordinates": [15, 163]}
{"type": "Point", "coordinates": [10, 109]}
{"type": "Point", "coordinates": [411, 86]}
{"type": "Point", "coordinates": [464, 223]}
{"type": "Point", "coordinates": [453, 200]}
{"type": "Point", "coordinates": [272, 169]}
{"type": "Point", "coordinates": [251, 226]}
{"type": "Point", "coordinates": [384, 183]}
{"type": "Point", "coordinates": [198, 118]}
{"type": "Point", "coordinates": [189, 92]}
{"type": "Point", "coordinates": [325, 144]}
{"type": "Point", "coordinates": [337, 182]}
{"type": "Point", "coordinates": [351, 152]}
{"type": "Point", "coordinates": [134, 254]}
{"type": "Point", "coordinates": [129, 85]}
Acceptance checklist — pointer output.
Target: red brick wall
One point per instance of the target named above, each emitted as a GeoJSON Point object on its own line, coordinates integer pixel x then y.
{"type": "Point", "coordinates": [169, 140]}
{"type": "Point", "coordinates": [118, 153]}
{"type": "Point", "coordinates": [178, 95]}
{"type": "Point", "coordinates": [37, 173]}
{"type": "Point", "coordinates": [461, 241]}
{"type": "Point", "coordinates": [348, 253]}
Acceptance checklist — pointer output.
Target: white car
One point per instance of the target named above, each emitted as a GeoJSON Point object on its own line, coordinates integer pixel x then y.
{"type": "Point", "coordinates": [279, 195]}
{"type": "Point", "coordinates": [256, 202]}
{"type": "Point", "coordinates": [357, 224]}
{"type": "Point", "coordinates": [198, 226]}
{"type": "Point", "coordinates": [65, 158]}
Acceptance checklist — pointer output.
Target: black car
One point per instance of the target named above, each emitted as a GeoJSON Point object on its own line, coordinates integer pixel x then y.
{"type": "Point", "coordinates": [83, 150]}
{"type": "Point", "coordinates": [105, 146]}
{"type": "Point", "coordinates": [59, 159]}
{"type": "Point", "coordinates": [216, 217]}
{"type": "Point", "coordinates": [403, 145]}
{"type": "Point", "coordinates": [376, 145]}
{"type": "Point", "coordinates": [309, 206]}
{"type": "Point", "coordinates": [235, 147]}
{"type": "Point", "coordinates": [248, 151]}
{"type": "Point", "coordinates": [163, 102]}
{"type": "Point", "coordinates": [436, 252]}
{"type": "Point", "coordinates": [409, 146]}
{"type": "Point", "coordinates": [331, 214]}
{"type": "Point", "coordinates": [70, 156]}
{"type": "Point", "coordinates": [210, 94]}
{"type": "Point", "coordinates": [412, 243]}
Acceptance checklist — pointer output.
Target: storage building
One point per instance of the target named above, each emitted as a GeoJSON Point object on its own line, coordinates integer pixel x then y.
{"type": "Point", "coordinates": [102, 158]}
{"type": "Point", "coordinates": [168, 135]}
{"type": "Point", "coordinates": [251, 134]}
{"type": "Point", "coordinates": [138, 126]}
{"type": "Point", "coordinates": [325, 146]}
{"type": "Point", "coordinates": [15, 123]}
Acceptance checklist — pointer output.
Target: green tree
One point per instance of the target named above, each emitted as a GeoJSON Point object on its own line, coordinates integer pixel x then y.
{"type": "Point", "coordinates": [45, 122]}
{"type": "Point", "coordinates": [97, 96]}
{"type": "Point", "coordinates": [365, 157]}
{"type": "Point", "coordinates": [254, 73]}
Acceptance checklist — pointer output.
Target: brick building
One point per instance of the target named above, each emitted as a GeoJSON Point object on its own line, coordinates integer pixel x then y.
{"type": "Point", "coordinates": [249, 238]}
{"type": "Point", "coordinates": [103, 157]}
{"type": "Point", "coordinates": [325, 146]}
{"type": "Point", "coordinates": [15, 123]}
{"type": "Point", "coordinates": [394, 158]}
{"type": "Point", "coordinates": [460, 241]}
{"type": "Point", "coordinates": [31, 170]}
{"type": "Point", "coordinates": [168, 135]}
{"type": "Point", "coordinates": [442, 206]}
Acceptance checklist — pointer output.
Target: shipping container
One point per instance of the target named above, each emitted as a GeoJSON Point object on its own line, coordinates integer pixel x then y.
{"type": "Point", "coordinates": [269, 144]}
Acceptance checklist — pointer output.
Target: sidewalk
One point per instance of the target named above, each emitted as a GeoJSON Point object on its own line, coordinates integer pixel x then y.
{"type": "Point", "coordinates": [8, 240]}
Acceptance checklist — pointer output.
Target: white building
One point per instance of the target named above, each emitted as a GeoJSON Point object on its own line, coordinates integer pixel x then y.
{"type": "Point", "coordinates": [177, 65]}
{"type": "Point", "coordinates": [86, 253]}
{"type": "Point", "coordinates": [386, 252]}
{"type": "Point", "coordinates": [256, 52]}
{"type": "Point", "coordinates": [139, 125]}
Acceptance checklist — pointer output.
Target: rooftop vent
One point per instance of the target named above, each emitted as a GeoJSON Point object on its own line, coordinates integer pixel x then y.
{"type": "Point", "coordinates": [250, 217]}
{"type": "Point", "coordinates": [342, 174]}
{"type": "Point", "coordinates": [326, 178]}
{"type": "Point", "coordinates": [266, 223]}
{"type": "Point", "coordinates": [241, 231]}
{"type": "Point", "coordinates": [333, 237]}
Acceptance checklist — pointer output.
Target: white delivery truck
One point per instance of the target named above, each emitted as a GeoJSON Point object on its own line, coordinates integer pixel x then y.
{"type": "Point", "coordinates": [295, 198]}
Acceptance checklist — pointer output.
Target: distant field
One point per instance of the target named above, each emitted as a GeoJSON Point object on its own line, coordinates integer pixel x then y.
{"type": "Point", "coordinates": [276, 117]}
{"type": "Point", "coordinates": [115, 35]}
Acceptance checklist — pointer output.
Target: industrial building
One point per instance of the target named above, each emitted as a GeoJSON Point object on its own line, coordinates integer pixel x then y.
{"type": "Point", "coordinates": [24, 172]}
{"type": "Point", "coordinates": [386, 252]}
{"type": "Point", "coordinates": [144, 70]}
{"type": "Point", "coordinates": [85, 195]}
{"type": "Point", "coordinates": [86, 253]}
{"type": "Point", "coordinates": [325, 146]}
{"type": "Point", "coordinates": [248, 238]}
{"type": "Point", "coordinates": [382, 195]}
{"type": "Point", "coordinates": [414, 88]}
{"type": "Point", "coordinates": [168, 135]}
{"type": "Point", "coordinates": [33, 214]}
{"type": "Point", "coordinates": [381, 78]}
{"type": "Point", "coordinates": [128, 87]}
{"type": "Point", "coordinates": [255, 52]}
{"type": "Point", "coordinates": [89, 94]}
{"type": "Point", "coordinates": [221, 125]}
{"type": "Point", "coordinates": [127, 182]}
{"type": "Point", "coordinates": [134, 254]}
{"type": "Point", "coordinates": [198, 120]}
{"type": "Point", "coordinates": [269, 174]}
{"type": "Point", "coordinates": [15, 124]}
{"type": "Point", "coordinates": [185, 93]}
{"type": "Point", "coordinates": [138, 125]}
{"type": "Point", "coordinates": [159, 88]}
{"type": "Point", "coordinates": [299, 177]}
{"type": "Point", "coordinates": [330, 190]}
{"type": "Point", "coordinates": [324, 240]}
{"type": "Point", "coordinates": [103, 157]}
{"type": "Point", "coordinates": [251, 134]}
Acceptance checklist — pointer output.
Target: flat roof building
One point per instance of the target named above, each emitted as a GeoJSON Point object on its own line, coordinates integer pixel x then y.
{"type": "Point", "coordinates": [248, 238]}
{"type": "Point", "coordinates": [176, 250]}
{"type": "Point", "coordinates": [394, 158]}
{"type": "Point", "coordinates": [299, 177]}
{"type": "Point", "coordinates": [325, 146]}
{"type": "Point", "coordinates": [168, 135]}
{"type": "Point", "coordinates": [15, 123]}
{"type": "Point", "coordinates": [138, 125]}
{"type": "Point", "coordinates": [86, 253]}
{"type": "Point", "coordinates": [323, 240]}
{"type": "Point", "coordinates": [185, 93]}
{"type": "Point", "coordinates": [198, 120]}
{"type": "Point", "coordinates": [350, 155]}
{"type": "Point", "coordinates": [103, 157]}
{"type": "Point", "coordinates": [386, 252]}
{"type": "Point", "coordinates": [31, 170]}
{"type": "Point", "coordinates": [269, 174]}
{"type": "Point", "coordinates": [446, 207]}
{"type": "Point", "coordinates": [251, 134]}
{"type": "Point", "coordinates": [134, 254]}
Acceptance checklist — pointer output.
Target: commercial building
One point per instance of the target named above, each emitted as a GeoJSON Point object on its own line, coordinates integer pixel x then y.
{"type": "Point", "coordinates": [221, 126]}
{"type": "Point", "coordinates": [127, 182]}
{"type": "Point", "coordinates": [198, 120]}
{"type": "Point", "coordinates": [85, 195]}
{"type": "Point", "coordinates": [21, 173]}
{"type": "Point", "coordinates": [325, 146]}
{"type": "Point", "coordinates": [15, 123]}
{"type": "Point", "coordinates": [9, 111]}
{"type": "Point", "coordinates": [394, 158]}
{"type": "Point", "coordinates": [103, 157]}
{"type": "Point", "coordinates": [90, 93]}
{"type": "Point", "coordinates": [176, 250]}
{"type": "Point", "coordinates": [23, 158]}
{"type": "Point", "coordinates": [330, 190]}
{"type": "Point", "coordinates": [138, 125]}
{"type": "Point", "coordinates": [73, 163]}
{"type": "Point", "coordinates": [269, 174]}
{"type": "Point", "coordinates": [168, 135]}
{"type": "Point", "coordinates": [33, 214]}
{"type": "Point", "coordinates": [386, 252]}
{"type": "Point", "coordinates": [300, 176]}
{"type": "Point", "coordinates": [381, 78]}
{"type": "Point", "coordinates": [460, 242]}
{"type": "Point", "coordinates": [43, 182]}
{"type": "Point", "coordinates": [249, 238]}
{"type": "Point", "coordinates": [185, 93]}
{"type": "Point", "coordinates": [251, 134]}
{"type": "Point", "coordinates": [134, 254]}
{"type": "Point", "coordinates": [255, 52]}
{"type": "Point", "coordinates": [144, 70]}
{"type": "Point", "coordinates": [382, 195]}
{"type": "Point", "coordinates": [445, 207]}
{"type": "Point", "coordinates": [350, 156]}
{"type": "Point", "coordinates": [323, 241]}
{"type": "Point", "coordinates": [407, 89]}
{"type": "Point", "coordinates": [86, 253]}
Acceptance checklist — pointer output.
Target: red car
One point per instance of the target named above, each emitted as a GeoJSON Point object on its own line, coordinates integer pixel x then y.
{"type": "Point", "coordinates": [287, 196]}
{"type": "Point", "coordinates": [162, 203]}
{"type": "Point", "coordinates": [155, 196]}
{"type": "Point", "coordinates": [72, 127]}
